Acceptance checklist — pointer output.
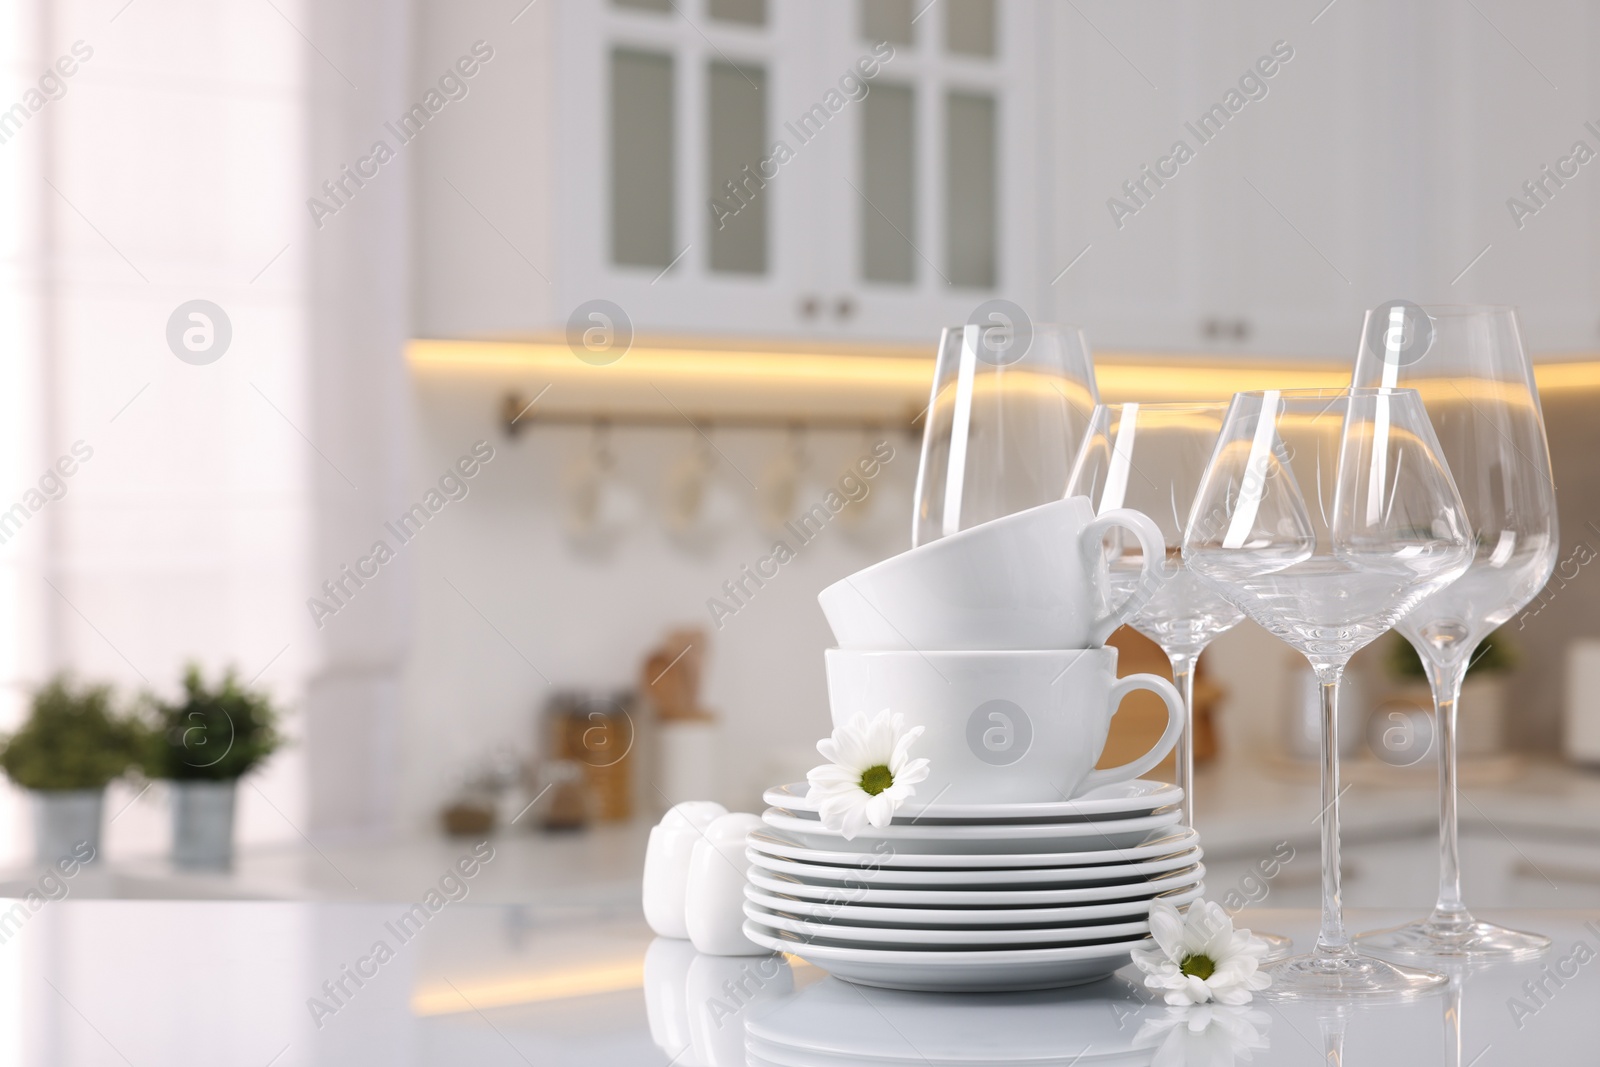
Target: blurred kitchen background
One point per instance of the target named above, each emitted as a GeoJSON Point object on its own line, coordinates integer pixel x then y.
{"type": "Point", "coordinates": [659, 273]}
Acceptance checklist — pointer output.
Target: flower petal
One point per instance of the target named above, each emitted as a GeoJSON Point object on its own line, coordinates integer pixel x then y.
{"type": "Point", "coordinates": [1166, 928]}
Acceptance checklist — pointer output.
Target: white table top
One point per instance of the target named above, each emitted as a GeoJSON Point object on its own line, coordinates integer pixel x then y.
{"type": "Point", "coordinates": [232, 982]}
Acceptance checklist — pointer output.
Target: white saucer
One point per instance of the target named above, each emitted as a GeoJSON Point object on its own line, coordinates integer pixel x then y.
{"type": "Point", "coordinates": [1153, 845]}
{"type": "Point", "coordinates": [1138, 797]}
{"type": "Point", "coordinates": [1005, 878]}
{"type": "Point", "coordinates": [977, 838]}
{"type": "Point", "coordinates": [958, 971]}
{"type": "Point", "coordinates": [855, 915]}
{"type": "Point", "coordinates": [972, 898]}
{"type": "Point", "coordinates": [912, 936]}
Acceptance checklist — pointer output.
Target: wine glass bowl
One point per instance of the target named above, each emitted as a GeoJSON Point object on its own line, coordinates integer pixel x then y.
{"type": "Point", "coordinates": [1150, 457]}
{"type": "Point", "coordinates": [1326, 516]}
{"type": "Point", "coordinates": [1008, 409]}
{"type": "Point", "coordinates": [1324, 559]}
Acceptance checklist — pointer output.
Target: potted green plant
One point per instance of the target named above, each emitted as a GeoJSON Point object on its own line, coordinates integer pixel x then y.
{"type": "Point", "coordinates": [1480, 722]}
{"type": "Point", "coordinates": [204, 743]}
{"type": "Point", "coordinates": [73, 743]}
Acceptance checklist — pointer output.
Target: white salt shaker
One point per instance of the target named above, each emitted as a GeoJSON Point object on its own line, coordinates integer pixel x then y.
{"type": "Point", "coordinates": [714, 904]}
{"type": "Point", "coordinates": [666, 863]}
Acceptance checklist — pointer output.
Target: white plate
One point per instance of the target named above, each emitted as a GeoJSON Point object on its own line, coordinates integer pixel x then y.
{"type": "Point", "coordinates": [1119, 799]}
{"type": "Point", "coordinates": [912, 936]}
{"type": "Point", "coordinates": [1006, 878]}
{"type": "Point", "coordinates": [1155, 844]}
{"type": "Point", "coordinates": [977, 838]}
{"type": "Point", "coordinates": [939, 971]}
{"type": "Point", "coordinates": [871, 896]}
{"type": "Point", "coordinates": [1073, 914]}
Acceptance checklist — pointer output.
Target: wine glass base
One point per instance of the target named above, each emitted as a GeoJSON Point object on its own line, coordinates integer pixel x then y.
{"type": "Point", "coordinates": [1346, 976]}
{"type": "Point", "coordinates": [1472, 940]}
{"type": "Point", "coordinates": [1279, 946]}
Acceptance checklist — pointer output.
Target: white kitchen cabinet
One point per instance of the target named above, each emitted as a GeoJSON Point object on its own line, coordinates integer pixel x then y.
{"type": "Point", "coordinates": [1374, 164]}
{"type": "Point", "coordinates": [1377, 166]}
{"type": "Point", "coordinates": [859, 169]}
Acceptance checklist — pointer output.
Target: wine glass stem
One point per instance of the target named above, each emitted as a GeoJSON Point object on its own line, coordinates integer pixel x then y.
{"type": "Point", "coordinates": [1183, 752]}
{"type": "Point", "coordinates": [1446, 683]}
{"type": "Point", "coordinates": [1332, 940]}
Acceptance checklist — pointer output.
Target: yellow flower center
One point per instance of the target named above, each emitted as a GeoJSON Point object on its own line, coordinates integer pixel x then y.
{"type": "Point", "coordinates": [1198, 966]}
{"type": "Point", "coordinates": [875, 780]}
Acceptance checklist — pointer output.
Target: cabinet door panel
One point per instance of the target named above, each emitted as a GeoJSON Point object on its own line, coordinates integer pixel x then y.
{"type": "Point", "coordinates": [725, 259]}
{"type": "Point", "coordinates": [643, 138]}
{"type": "Point", "coordinates": [935, 185]}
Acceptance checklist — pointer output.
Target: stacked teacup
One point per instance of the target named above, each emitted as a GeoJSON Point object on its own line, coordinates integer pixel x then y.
{"type": "Point", "coordinates": [1016, 864]}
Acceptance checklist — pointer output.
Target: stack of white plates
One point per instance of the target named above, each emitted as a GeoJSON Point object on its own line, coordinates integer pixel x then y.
{"type": "Point", "coordinates": [959, 897]}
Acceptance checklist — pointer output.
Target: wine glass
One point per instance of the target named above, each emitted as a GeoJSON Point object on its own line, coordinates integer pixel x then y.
{"type": "Point", "coordinates": [1470, 368]}
{"type": "Point", "coordinates": [1010, 403]}
{"type": "Point", "coordinates": [1151, 457]}
{"type": "Point", "coordinates": [1326, 516]}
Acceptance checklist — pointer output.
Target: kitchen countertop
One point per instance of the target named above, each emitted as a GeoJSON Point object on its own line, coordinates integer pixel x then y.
{"type": "Point", "coordinates": [1242, 804]}
{"type": "Point", "coordinates": [89, 982]}
{"type": "Point", "coordinates": [1245, 808]}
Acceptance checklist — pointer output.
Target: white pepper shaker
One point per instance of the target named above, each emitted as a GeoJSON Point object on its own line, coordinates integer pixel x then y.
{"type": "Point", "coordinates": [666, 863]}
{"type": "Point", "coordinates": [714, 904]}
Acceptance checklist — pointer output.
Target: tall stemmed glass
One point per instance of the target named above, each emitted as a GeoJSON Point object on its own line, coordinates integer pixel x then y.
{"type": "Point", "coordinates": [1326, 516]}
{"type": "Point", "coordinates": [1150, 457]}
{"type": "Point", "coordinates": [1010, 404]}
{"type": "Point", "coordinates": [1473, 375]}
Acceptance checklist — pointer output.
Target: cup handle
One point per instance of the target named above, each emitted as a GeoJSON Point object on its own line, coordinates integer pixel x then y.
{"type": "Point", "coordinates": [1154, 547]}
{"type": "Point", "coordinates": [1175, 719]}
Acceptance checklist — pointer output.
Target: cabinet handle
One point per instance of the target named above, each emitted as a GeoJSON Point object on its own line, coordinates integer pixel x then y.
{"type": "Point", "coordinates": [1225, 329]}
{"type": "Point", "coordinates": [810, 307]}
{"type": "Point", "coordinates": [844, 308]}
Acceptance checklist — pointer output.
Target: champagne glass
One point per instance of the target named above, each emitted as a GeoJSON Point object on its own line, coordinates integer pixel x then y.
{"type": "Point", "coordinates": [1470, 368]}
{"type": "Point", "coordinates": [1010, 403]}
{"type": "Point", "coordinates": [1326, 516]}
{"type": "Point", "coordinates": [1151, 457]}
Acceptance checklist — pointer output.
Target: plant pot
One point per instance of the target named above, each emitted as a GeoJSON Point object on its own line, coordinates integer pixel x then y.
{"type": "Point", "coordinates": [202, 824]}
{"type": "Point", "coordinates": [63, 820]}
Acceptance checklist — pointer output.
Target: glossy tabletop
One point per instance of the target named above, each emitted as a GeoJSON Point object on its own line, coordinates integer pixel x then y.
{"type": "Point", "coordinates": [256, 983]}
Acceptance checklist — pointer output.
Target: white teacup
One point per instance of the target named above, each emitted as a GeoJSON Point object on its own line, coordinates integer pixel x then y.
{"type": "Point", "coordinates": [1032, 580]}
{"type": "Point", "coordinates": [1002, 727]}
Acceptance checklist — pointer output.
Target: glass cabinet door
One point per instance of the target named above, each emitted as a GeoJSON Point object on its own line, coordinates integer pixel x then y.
{"type": "Point", "coordinates": [799, 167]}
{"type": "Point", "coordinates": [933, 183]}
{"type": "Point", "coordinates": [680, 218]}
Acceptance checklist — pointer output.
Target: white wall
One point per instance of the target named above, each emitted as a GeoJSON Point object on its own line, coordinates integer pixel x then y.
{"type": "Point", "coordinates": [588, 621]}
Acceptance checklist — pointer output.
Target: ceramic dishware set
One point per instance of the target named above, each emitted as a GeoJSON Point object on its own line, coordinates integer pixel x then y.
{"type": "Point", "coordinates": [1017, 864]}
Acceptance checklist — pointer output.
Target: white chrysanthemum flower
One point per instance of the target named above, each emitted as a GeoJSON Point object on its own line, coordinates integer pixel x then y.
{"type": "Point", "coordinates": [1200, 957]}
{"type": "Point", "coordinates": [869, 772]}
